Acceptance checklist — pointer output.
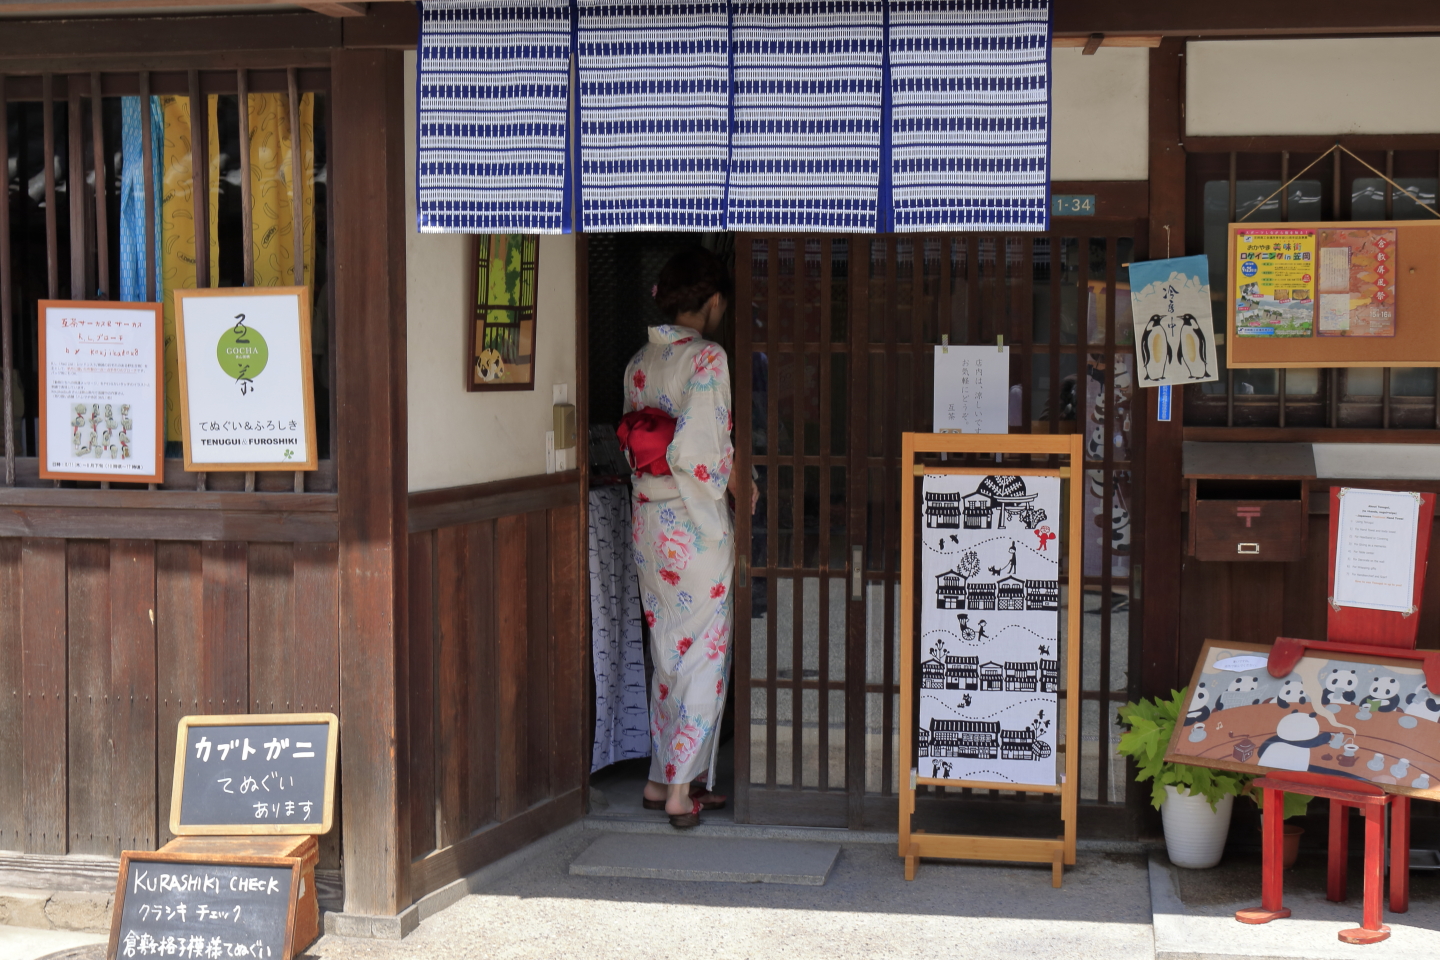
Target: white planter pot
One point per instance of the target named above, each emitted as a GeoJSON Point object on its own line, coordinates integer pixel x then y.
{"type": "Point", "coordinates": [1195, 834]}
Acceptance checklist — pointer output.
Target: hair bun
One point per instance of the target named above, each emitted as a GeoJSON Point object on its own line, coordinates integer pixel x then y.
{"type": "Point", "coordinates": [688, 280]}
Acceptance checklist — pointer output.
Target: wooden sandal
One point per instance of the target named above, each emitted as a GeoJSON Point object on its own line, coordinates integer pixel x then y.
{"type": "Point", "coordinates": [649, 804]}
{"type": "Point", "coordinates": [684, 821]}
{"type": "Point", "coordinates": [715, 801]}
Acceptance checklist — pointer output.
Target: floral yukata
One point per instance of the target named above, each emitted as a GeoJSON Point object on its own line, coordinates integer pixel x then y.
{"type": "Point", "coordinates": [684, 548]}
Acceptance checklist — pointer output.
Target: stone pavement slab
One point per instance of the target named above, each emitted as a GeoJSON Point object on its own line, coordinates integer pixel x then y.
{"type": "Point", "coordinates": [675, 856]}
{"type": "Point", "coordinates": [866, 909]}
{"type": "Point", "coordinates": [1194, 915]}
{"type": "Point", "coordinates": [26, 943]}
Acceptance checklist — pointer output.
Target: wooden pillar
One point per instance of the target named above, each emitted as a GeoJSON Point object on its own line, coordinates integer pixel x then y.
{"type": "Point", "coordinates": [370, 450]}
{"type": "Point", "coordinates": [1163, 546]}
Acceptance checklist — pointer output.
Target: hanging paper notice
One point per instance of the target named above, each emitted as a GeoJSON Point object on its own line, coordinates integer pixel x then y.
{"type": "Point", "coordinates": [1274, 283]}
{"type": "Point", "coordinates": [972, 390]}
{"type": "Point", "coordinates": [1357, 282]}
{"type": "Point", "coordinates": [990, 629]}
{"type": "Point", "coordinates": [101, 392]}
{"type": "Point", "coordinates": [246, 395]}
{"type": "Point", "coordinates": [1375, 549]}
{"type": "Point", "coordinates": [1174, 328]}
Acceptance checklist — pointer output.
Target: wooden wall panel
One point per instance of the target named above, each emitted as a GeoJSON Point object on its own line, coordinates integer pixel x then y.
{"type": "Point", "coordinates": [420, 690]}
{"type": "Point", "coordinates": [273, 673]}
{"type": "Point", "coordinates": [12, 701]}
{"type": "Point", "coordinates": [87, 570]}
{"type": "Point", "coordinates": [132, 693]}
{"type": "Point", "coordinates": [512, 637]}
{"type": "Point", "coordinates": [482, 587]}
{"type": "Point", "coordinates": [179, 657]}
{"type": "Point", "coordinates": [226, 626]}
{"type": "Point", "coordinates": [570, 732]}
{"type": "Point", "coordinates": [316, 654]}
{"type": "Point", "coordinates": [538, 692]}
{"type": "Point", "coordinates": [43, 669]}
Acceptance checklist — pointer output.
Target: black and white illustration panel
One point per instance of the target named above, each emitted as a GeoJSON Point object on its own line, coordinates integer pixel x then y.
{"type": "Point", "coordinates": [989, 670]}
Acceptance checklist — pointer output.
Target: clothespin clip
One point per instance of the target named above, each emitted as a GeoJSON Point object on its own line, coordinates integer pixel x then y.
{"type": "Point", "coordinates": [945, 343]}
{"type": "Point", "coordinates": [999, 343]}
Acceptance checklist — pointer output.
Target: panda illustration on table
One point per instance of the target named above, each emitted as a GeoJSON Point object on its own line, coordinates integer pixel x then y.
{"type": "Point", "coordinates": [1386, 691]}
{"type": "Point", "coordinates": [1199, 710]}
{"type": "Point", "coordinates": [1341, 687]}
{"type": "Point", "coordinates": [1295, 736]}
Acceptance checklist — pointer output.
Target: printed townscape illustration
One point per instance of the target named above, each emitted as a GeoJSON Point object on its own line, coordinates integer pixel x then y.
{"type": "Point", "coordinates": [990, 629]}
{"type": "Point", "coordinates": [1378, 722]}
{"type": "Point", "coordinates": [100, 431]}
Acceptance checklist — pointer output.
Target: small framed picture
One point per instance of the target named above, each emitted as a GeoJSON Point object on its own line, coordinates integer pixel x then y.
{"type": "Point", "coordinates": [502, 316]}
{"type": "Point", "coordinates": [247, 391]}
{"type": "Point", "coordinates": [101, 391]}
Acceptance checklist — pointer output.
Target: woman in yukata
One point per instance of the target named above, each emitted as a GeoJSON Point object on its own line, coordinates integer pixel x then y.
{"type": "Point", "coordinates": [676, 434]}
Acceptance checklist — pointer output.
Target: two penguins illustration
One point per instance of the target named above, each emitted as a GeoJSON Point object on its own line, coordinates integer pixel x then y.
{"type": "Point", "coordinates": [1157, 353]}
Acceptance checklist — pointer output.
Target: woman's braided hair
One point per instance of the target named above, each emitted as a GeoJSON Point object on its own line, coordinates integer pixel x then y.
{"type": "Point", "coordinates": [689, 279]}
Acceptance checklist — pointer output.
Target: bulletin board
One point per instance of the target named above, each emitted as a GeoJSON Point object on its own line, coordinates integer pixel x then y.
{"type": "Point", "coordinates": [1416, 342]}
{"type": "Point", "coordinates": [1013, 581]}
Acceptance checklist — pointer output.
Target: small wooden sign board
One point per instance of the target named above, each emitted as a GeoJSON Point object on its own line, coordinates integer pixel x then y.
{"type": "Point", "coordinates": [265, 773]}
{"type": "Point", "coordinates": [194, 905]}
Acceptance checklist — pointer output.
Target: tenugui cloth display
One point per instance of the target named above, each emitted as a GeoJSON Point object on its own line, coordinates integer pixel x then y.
{"type": "Point", "coordinates": [683, 536]}
{"type": "Point", "coordinates": [970, 114]}
{"type": "Point", "coordinates": [493, 116]}
{"type": "Point", "coordinates": [616, 639]}
{"type": "Point", "coordinates": [654, 115]}
{"type": "Point", "coordinates": [805, 151]}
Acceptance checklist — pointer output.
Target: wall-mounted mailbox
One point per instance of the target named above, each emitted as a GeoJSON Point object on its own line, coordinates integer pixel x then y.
{"type": "Point", "coordinates": [1247, 501]}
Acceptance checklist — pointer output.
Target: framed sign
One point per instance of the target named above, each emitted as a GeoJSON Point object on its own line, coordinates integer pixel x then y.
{"type": "Point", "coordinates": [257, 773]}
{"type": "Point", "coordinates": [101, 389]}
{"type": "Point", "coordinates": [972, 389]}
{"type": "Point", "coordinates": [502, 320]}
{"type": "Point", "coordinates": [247, 393]}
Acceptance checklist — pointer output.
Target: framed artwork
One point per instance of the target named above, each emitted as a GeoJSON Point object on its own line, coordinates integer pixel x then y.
{"type": "Point", "coordinates": [502, 315]}
{"type": "Point", "coordinates": [101, 391]}
{"type": "Point", "coordinates": [1358, 716]}
{"type": "Point", "coordinates": [247, 391]}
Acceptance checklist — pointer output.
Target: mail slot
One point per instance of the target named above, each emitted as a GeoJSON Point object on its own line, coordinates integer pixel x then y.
{"type": "Point", "coordinates": [1248, 520]}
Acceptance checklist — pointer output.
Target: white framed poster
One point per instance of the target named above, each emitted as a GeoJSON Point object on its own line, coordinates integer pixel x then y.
{"type": "Point", "coordinates": [246, 384]}
{"type": "Point", "coordinates": [1375, 549]}
{"type": "Point", "coordinates": [990, 663]}
{"type": "Point", "coordinates": [101, 391]}
{"type": "Point", "coordinates": [972, 389]}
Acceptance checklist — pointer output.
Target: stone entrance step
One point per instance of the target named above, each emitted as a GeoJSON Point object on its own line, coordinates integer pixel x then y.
{"type": "Point", "coordinates": [679, 857]}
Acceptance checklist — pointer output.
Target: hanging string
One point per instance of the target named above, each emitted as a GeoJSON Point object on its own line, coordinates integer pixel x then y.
{"type": "Point", "coordinates": [1322, 156]}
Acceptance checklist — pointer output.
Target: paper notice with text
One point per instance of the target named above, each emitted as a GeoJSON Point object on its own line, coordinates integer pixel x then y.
{"type": "Point", "coordinates": [1375, 549]}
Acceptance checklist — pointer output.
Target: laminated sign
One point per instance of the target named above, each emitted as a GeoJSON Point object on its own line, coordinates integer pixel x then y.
{"type": "Point", "coordinates": [246, 387]}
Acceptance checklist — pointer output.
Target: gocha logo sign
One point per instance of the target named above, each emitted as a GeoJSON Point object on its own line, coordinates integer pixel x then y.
{"type": "Point", "coordinates": [243, 354]}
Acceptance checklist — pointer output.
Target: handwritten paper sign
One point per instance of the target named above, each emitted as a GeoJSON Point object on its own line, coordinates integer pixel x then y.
{"type": "Point", "coordinates": [260, 773]}
{"type": "Point", "coordinates": [972, 390]}
{"type": "Point", "coordinates": [100, 396]}
{"type": "Point", "coordinates": [246, 387]}
{"type": "Point", "coordinates": [1375, 549]}
{"type": "Point", "coordinates": [182, 906]}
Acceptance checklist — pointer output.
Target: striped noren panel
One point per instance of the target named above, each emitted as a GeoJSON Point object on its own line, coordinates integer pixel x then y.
{"type": "Point", "coordinates": [970, 114]}
{"type": "Point", "coordinates": [493, 110]}
{"type": "Point", "coordinates": [654, 115]}
{"type": "Point", "coordinates": [805, 153]}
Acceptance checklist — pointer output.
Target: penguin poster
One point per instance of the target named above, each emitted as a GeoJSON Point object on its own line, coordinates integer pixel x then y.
{"type": "Point", "coordinates": [989, 692]}
{"type": "Point", "coordinates": [1354, 717]}
{"type": "Point", "coordinates": [1174, 329]}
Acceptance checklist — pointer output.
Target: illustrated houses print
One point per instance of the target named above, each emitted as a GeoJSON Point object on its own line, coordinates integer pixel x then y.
{"type": "Point", "coordinates": [981, 740]}
{"type": "Point", "coordinates": [954, 592]}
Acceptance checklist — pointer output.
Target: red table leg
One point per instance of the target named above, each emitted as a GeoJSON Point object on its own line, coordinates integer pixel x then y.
{"type": "Point", "coordinates": [1400, 855]}
{"type": "Point", "coordinates": [1339, 853]}
{"type": "Point", "coordinates": [1371, 929]}
{"type": "Point", "coordinates": [1273, 844]}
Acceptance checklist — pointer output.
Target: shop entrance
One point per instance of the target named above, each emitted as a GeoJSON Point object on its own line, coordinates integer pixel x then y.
{"type": "Point", "coordinates": [830, 363]}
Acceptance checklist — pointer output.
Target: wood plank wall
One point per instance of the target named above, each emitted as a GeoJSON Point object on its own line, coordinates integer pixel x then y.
{"type": "Point", "coordinates": [106, 644]}
{"type": "Point", "coordinates": [495, 673]}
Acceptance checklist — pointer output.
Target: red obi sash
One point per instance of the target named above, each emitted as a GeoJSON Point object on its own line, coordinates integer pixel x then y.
{"type": "Point", "coordinates": [645, 436]}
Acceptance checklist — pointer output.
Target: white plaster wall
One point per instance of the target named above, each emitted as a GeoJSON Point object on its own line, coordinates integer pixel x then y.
{"type": "Point", "coordinates": [457, 437]}
{"type": "Point", "coordinates": [1355, 86]}
{"type": "Point", "coordinates": [1100, 114]}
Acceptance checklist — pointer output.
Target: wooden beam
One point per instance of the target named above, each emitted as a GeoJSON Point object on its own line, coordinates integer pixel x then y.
{"type": "Point", "coordinates": [1185, 18]}
{"type": "Point", "coordinates": [155, 36]}
{"type": "Point", "coordinates": [1105, 40]}
{"type": "Point", "coordinates": [336, 9]}
{"type": "Point", "coordinates": [368, 200]}
{"type": "Point", "coordinates": [1093, 43]}
{"type": "Point", "coordinates": [1161, 547]}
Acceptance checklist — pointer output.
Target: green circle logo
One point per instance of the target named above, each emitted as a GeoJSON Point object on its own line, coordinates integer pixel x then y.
{"type": "Point", "coordinates": [242, 351]}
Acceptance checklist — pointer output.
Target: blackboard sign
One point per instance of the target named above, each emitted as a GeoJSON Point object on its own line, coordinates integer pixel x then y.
{"type": "Point", "coordinates": [255, 774]}
{"type": "Point", "coordinates": [184, 906]}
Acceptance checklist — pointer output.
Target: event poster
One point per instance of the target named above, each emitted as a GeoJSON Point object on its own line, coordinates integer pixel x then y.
{"type": "Point", "coordinates": [1375, 549]}
{"type": "Point", "coordinates": [1357, 282]}
{"type": "Point", "coordinates": [101, 395]}
{"type": "Point", "coordinates": [972, 389]}
{"type": "Point", "coordinates": [1174, 327]}
{"type": "Point", "coordinates": [245, 381]}
{"type": "Point", "coordinates": [1274, 283]}
{"type": "Point", "coordinates": [989, 629]}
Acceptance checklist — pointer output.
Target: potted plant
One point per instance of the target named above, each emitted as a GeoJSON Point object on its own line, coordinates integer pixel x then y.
{"type": "Point", "coordinates": [1295, 806]}
{"type": "Point", "coordinates": [1194, 802]}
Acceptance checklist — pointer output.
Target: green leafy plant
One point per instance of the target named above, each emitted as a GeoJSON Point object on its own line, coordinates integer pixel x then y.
{"type": "Point", "coordinates": [1295, 803]}
{"type": "Point", "coordinates": [1151, 723]}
